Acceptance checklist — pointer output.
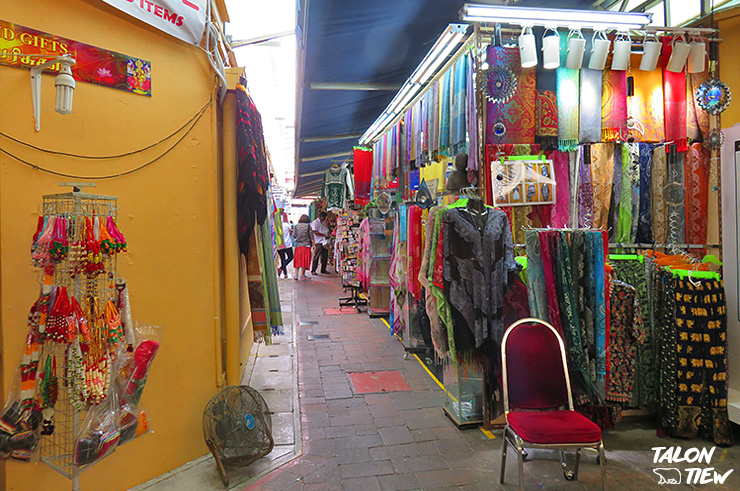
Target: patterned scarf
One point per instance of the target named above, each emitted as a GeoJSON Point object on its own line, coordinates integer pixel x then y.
{"type": "Point", "coordinates": [635, 179]}
{"type": "Point", "coordinates": [585, 189]}
{"type": "Point", "coordinates": [616, 192]}
{"type": "Point", "coordinates": [645, 220]}
{"type": "Point", "coordinates": [568, 83]}
{"type": "Point", "coordinates": [675, 195]}
{"type": "Point", "coordinates": [646, 105]}
{"type": "Point", "coordinates": [560, 211]}
{"type": "Point", "coordinates": [363, 161]}
{"type": "Point", "coordinates": [602, 177]}
{"type": "Point", "coordinates": [513, 122]}
{"type": "Point", "coordinates": [657, 192]}
{"type": "Point", "coordinates": [614, 106]}
{"type": "Point", "coordinates": [697, 118]}
{"type": "Point", "coordinates": [459, 105]}
{"type": "Point", "coordinates": [444, 111]}
{"type": "Point", "coordinates": [595, 241]}
{"type": "Point", "coordinates": [624, 222]}
{"type": "Point", "coordinates": [433, 121]}
{"type": "Point", "coordinates": [546, 106]}
{"type": "Point", "coordinates": [549, 250]}
{"type": "Point", "coordinates": [697, 193]}
{"type": "Point", "coordinates": [674, 88]}
{"type": "Point", "coordinates": [589, 127]}
{"type": "Point", "coordinates": [536, 278]}
{"type": "Point", "coordinates": [472, 122]}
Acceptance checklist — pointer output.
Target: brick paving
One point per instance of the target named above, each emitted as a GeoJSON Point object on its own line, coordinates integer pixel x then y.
{"type": "Point", "coordinates": [402, 440]}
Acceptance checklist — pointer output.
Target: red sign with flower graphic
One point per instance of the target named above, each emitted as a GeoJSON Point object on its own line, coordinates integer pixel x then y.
{"type": "Point", "coordinates": [94, 65]}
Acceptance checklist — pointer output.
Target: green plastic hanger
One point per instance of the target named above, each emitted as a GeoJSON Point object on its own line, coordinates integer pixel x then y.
{"type": "Point", "coordinates": [690, 273]}
{"type": "Point", "coordinates": [626, 257]}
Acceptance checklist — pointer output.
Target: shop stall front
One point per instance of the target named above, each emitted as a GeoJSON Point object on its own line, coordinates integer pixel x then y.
{"type": "Point", "coordinates": [586, 146]}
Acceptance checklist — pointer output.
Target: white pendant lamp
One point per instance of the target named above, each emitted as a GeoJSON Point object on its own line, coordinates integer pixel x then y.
{"type": "Point", "coordinates": [650, 52]}
{"type": "Point", "coordinates": [599, 50]}
{"type": "Point", "coordinates": [576, 49]}
{"type": "Point", "coordinates": [697, 56]}
{"type": "Point", "coordinates": [551, 49]}
{"type": "Point", "coordinates": [527, 48]}
{"type": "Point", "coordinates": [622, 51]}
{"type": "Point", "coordinates": [681, 50]}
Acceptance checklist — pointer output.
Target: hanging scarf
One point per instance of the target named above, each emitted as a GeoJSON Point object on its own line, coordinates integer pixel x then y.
{"type": "Point", "coordinates": [433, 116]}
{"type": "Point", "coordinates": [424, 129]}
{"type": "Point", "coordinates": [596, 250]}
{"type": "Point", "coordinates": [697, 193]}
{"type": "Point", "coordinates": [589, 126]}
{"type": "Point", "coordinates": [616, 192]}
{"type": "Point", "coordinates": [414, 250]}
{"type": "Point", "coordinates": [395, 277]}
{"type": "Point", "coordinates": [645, 215]}
{"type": "Point", "coordinates": [549, 250]}
{"type": "Point", "coordinates": [409, 135]}
{"type": "Point", "coordinates": [614, 105]}
{"type": "Point", "coordinates": [584, 387]}
{"type": "Point", "coordinates": [438, 329]}
{"type": "Point", "coordinates": [675, 196]}
{"type": "Point", "coordinates": [585, 189]}
{"type": "Point", "coordinates": [363, 159]}
{"type": "Point", "coordinates": [536, 278]}
{"type": "Point", "coordinates": [585, 296]}
{"type": "Point", "coordinates": [602, 176]}
{"type": "Point", "coordinates": [646, 105]}
{"type": "Point", "coordinates": [658, 182]}
{"type": "Point", "coordinates": [634, 150]}
{"type": "Point", "coordinates": [444, 111]}
{"type": "Point", "coordinates": [573, 171]}
{"type": "Point", "coordinates": [560, 210]}
{"type": "Point", "coordinates": [674, 88]}
{"type": "Point", "coordinates": [568, 83]}
{"type": "Point", "coordinates": [624, 223]}
{"type": "Point", "coordinates": [697, 118]}
{"type": "Point", "coordinates": [546, 106]}
{"type": "Point", "coordinates": [513, 122]}
{"type": "Point", "coordinates": [472, 120]}
{"type": "Point", "coordinates": [459, 105]}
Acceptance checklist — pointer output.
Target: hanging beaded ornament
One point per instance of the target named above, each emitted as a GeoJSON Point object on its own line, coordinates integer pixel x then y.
{"type": "Point", "coordinates": [116, 235]}
{"type": "Point", "coordinates": [715, 139]}
{"type": "Point", "coordinates": [713, 96]}
{"type": "Point", "coordinates": [76, 387]}
{"type": "Point", "coordinates": [59, 243]}
{"type": "Point", "coordinates": [499, 84]}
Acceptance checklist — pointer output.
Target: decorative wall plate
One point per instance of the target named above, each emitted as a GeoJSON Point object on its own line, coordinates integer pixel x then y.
{"type": "Point", "coordinates": [499, 84]}
{"type": "Point", "coordinates": [423, 196]}
{"type": "Point", "coordinates": [384, 203]}
{"type": "Point", "coordinates": [713, 96]}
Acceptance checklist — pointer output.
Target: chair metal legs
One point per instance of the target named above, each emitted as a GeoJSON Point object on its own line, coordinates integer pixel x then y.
{"type": "Point", "coordinates": [503, 457]}
{"type": "Point", "coordinates": [602, 464]}
{"type": "Point", "coordinates": [520, 458]}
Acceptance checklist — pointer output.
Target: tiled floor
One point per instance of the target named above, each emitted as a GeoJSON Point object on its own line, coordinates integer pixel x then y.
{"type": "Point", "coordinates": [401, 439]}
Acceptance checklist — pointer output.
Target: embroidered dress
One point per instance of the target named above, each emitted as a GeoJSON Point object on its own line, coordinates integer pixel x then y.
{"type": "Point", "coordinates": [438, 329]}
{"type": "Point", "coordinates": [626, 331]}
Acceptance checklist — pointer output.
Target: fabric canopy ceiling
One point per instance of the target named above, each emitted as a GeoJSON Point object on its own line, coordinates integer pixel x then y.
{"type": "Point", "coordinates": [353, 56]}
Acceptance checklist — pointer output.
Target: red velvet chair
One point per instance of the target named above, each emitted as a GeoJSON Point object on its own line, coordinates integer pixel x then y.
{"type": "Point", "coordinates": [538, 399]}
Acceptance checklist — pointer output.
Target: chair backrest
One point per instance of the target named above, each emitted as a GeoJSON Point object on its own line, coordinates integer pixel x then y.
{"type": "Point", "coordinates": [535, 372]}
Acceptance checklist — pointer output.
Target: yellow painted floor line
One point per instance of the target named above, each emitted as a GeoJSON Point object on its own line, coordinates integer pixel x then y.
{"type": "Point", "coordinates": [490, 435]}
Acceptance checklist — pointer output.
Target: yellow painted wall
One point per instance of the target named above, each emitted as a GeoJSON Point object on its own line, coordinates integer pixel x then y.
{"type": "Point", "coordinates": [169, 212]}
{"type": "Point", "coordinates": [729, 28]}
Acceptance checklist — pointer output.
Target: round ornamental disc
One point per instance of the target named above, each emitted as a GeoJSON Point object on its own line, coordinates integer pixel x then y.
{"type": "Point", "coordinates": [250, 422]}
{"type": "Point", "coordinates": [713, 96]}
{"type": "Point", "coordinates": [499, 84]}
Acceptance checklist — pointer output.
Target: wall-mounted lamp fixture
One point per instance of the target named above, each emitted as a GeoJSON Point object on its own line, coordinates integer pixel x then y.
{"type": "Point", "coordinates": [681, 50]}
{"type": "Point", "coordinates": [650, 52]}
{"type": "Point", "coordinates": [697, 56]}
{"type": "Point", "coordinates": [599, 50]}
{"type": "Point", "coordinates": [551, 49]}
{"type": "Point", "coordinates": [622, 51]}
{"type": "Point", "coordinates": [523, 16]}
{"type": "Point", "coordinates": [576, 49]}
{"type": "Point", "coordinates": [64, 82]}
{"type": "Point", "coordinates": [527, 48]}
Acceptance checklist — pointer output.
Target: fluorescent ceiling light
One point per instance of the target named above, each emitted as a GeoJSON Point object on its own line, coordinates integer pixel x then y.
{"type": "Point", "coordinates": [399, 96]}
{"type": "Point", "coordinates": [441, 57]}
{"type": "Point", "coordinates": [596, 19]}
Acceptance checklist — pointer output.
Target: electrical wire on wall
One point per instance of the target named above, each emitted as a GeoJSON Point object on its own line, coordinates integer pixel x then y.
{"type": "Point", "coordinates": [188, 127]}
{"type": "Point", "coordinates": [211, 37]}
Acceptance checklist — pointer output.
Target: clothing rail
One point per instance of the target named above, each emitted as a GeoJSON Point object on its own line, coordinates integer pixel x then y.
{"type": "Point", "coordinates": [635, 245]}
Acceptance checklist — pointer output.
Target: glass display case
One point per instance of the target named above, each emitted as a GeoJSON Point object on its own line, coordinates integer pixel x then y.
{"type": "Point", "coordinates": [463, 394]}
{"type": "Point", "coordinates": [381, 242]}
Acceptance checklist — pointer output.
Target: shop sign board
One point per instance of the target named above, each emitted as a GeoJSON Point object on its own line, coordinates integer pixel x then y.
{"type": "Point", "coordinates": [93, 65]}
{"type": "Point", "coordinates": [184, 19]}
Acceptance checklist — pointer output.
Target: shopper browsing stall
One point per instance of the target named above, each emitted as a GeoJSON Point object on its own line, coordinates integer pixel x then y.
{"type": "Point", "coordinates": [321, 238]}
{"type": "Point", "coordinates": [286, 249]}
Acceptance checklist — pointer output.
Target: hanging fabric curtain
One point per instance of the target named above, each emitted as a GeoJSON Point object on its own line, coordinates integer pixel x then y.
{"type": "Point", "coordinates": [546, 104]}
{"type": "Point", "coordinates": [585, 188]}
{"type": "Point", "coordinates": [444, 113]}
{"type": "Point", "coordinates": [697, 193]}
{"type": "Point", "coordinates": [645, 213]}
{"type": "Point", "coordinates": [602, 176]}
{"type": "Point", "coordinates": [560, 210]}
{"type": "Point", "coordinates": [568, 83]}
{"type": "Point", "coordinates": [674, 87]}
{"type": "Point", "coordinates": [697, 118]}
{"type": "Point", "coordinates": [657, 192]}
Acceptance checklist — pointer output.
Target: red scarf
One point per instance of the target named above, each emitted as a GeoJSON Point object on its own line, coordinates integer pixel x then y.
{"type": "Point", "coordinates": [674, 89]}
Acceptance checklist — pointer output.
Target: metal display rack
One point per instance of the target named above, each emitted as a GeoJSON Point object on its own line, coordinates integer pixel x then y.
{"type": "Point", "coordinates": [57, 449]}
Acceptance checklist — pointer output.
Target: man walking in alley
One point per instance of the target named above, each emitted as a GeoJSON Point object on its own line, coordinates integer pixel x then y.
{"type": "Point", "coordinates": [321, 241]}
